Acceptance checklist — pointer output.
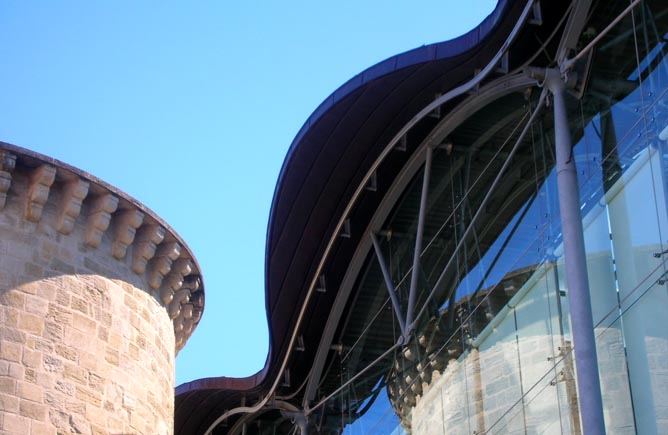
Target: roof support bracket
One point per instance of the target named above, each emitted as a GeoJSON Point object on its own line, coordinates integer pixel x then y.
{"type": "Point", "coordinates": [537, 19]}
{"type": "Point", "coordinates": [504, 63]}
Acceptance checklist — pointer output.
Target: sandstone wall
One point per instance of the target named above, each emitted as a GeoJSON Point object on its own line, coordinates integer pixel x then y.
{"type": "Point", "coordinates": [527, 385]}
{"type": "Point", "coordinates": [96, 297]}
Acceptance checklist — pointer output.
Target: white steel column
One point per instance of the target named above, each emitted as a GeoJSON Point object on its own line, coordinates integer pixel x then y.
{"type": "Point", "coordinates": [579, 302]}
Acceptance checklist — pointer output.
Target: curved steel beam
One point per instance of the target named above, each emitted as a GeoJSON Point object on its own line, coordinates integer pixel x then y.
{"type": "Point", "coordinates": [494, 90]}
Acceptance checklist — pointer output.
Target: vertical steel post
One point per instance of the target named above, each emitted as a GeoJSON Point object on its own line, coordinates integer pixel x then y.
{"type": "Point", "coordinates": [579, 302]}
{"type": "Point", "coordinates": [415, 275]}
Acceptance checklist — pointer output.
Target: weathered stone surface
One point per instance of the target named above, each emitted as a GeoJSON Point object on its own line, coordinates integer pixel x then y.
{"type": "Point", "coordinates": [125, 230]}
{"type": "Point", "coordinates": [41, 180]}
{"type": "Point", "coordinates": [99, 218]}
{"type": "Point", "coordinates": [73, 194]}
{"type": "Point", "coordinates": [7, 164]}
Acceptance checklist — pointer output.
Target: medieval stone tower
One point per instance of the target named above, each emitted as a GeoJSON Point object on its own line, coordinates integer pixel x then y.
{"type": "Point", "coordinates": [97, 295]}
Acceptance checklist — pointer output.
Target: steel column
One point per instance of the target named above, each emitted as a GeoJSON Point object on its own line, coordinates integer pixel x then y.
{"type": "Point", "coordinates": [586, 362]}
{"type": "Point", "coordinates": [415, 275]}
{"type": "Point", "coordinates": [389, 284]}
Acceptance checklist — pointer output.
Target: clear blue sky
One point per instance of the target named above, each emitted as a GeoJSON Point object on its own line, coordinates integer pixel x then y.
{"type": "Point", "coordinates": [190, 107]}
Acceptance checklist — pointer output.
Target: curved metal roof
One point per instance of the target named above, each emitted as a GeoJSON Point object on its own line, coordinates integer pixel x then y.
{"type": "Point", "coordinates": [325, 164]}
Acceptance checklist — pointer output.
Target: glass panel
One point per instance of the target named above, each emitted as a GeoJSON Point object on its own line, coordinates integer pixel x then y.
{"type": "Point", "coordinates": [446, 405]}
{"type": "Point", "coordinates": [635, 223]}
{"type": "Point", "coordinates": [535, 323]}
{"type": "Point", "coordinates": [613, 372]}
{"type": "Point", "coordinates": [500, 374]}
{"type": "Point", "coordinates": [363, 406]}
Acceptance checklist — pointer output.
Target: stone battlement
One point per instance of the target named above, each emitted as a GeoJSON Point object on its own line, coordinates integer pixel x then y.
{"type": "Point", "coordinates": [62, 201]}
{"type": "Point", "coordinates": [97, 295]}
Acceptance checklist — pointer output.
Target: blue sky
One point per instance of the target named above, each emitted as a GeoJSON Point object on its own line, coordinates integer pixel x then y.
{"type": "Point", "coordinates": [190, 108]}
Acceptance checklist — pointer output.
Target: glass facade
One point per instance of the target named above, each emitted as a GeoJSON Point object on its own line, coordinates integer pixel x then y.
{"type": "Point", "coordinates": [492, 352]}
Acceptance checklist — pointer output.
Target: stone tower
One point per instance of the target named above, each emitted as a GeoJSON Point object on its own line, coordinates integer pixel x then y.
{"type": "Point", "coordinates": [97, 295]}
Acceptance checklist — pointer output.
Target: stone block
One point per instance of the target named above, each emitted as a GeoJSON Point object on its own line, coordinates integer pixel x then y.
{"type": "Point", "coordinates": [65, 387]}
{"type": "Point", "coordinates": [104, 317]}
{"type": "Point", "coordinates": [53, 364]}
{"type": "Point", "coordinates": [10, 351]}
{"type": "Point", "coordinates": [130, 302]}
{"type": "Point", "coordinates": [111, 355]}
{"type": "Point", "coordinates": [32, 410]}
{"type": "Point", "coordinates": [7, 385]}
{"type": "Point", "coordinates": [37, 305]}
{"type": "Point", "coordinates": [15, 424]}
{"type": "Point", "coordinates": [59, 314]}
{"type": "Point", "coordinates": [46, 291]}
{"type": "Point", "coordinates": [83, 323]}
{"type": "Point", "coordinates": [41, 344]}
{"type": "Point", "coordinates": [53, 331]}
{"type": "Point", "coordinates": [48, 249]}
{"type": "Point", "coordinates": [29, 391]}
{"type": "Point", "coordinates": [31, 323]}
{"type": "Point", "coordinates": [88, 361]}
{"type": "Point", "coordinates": [80, 305]}
{"type": "Point", "coordinates": [129, 401]}
{"type": "Point", "coordinates": [60, 419]}
{"type": "Point", "coordinates": [32, 358]}
{"type": "Point", "coordinates": [87, 396]}
{"type": "Point", "coordinates": [16, 370]}
{"type": "Point", "coordinates": [76, 374]}
{"type": "Point", "coordinates": [60, 266]}
{"type": "Point", "coordinates": [75, 338]}
{"type": "Point", "coordinates": [33, 270]}
{"type": "Point", "coordinates": [41, 378]}
{"type": "Point", "coordinates": [42, 428]}
{"type": "Point", "coordinates": [12, 334]}
{"type": "Point", "coordinates": [62, 298]}
{"type": "Point", "coordinates": [96, 383]}
{"type": "Point", "coordinates": [11, 316]}
{"type": "Point", "coordinates": [12, 298]}
{"type": "Point", "coordinates": [98, 430]}
{"type": "Point", "coordinates": [67, 352]}
{"type": "Point", "coordinates": [133, 351]}
{"type": "Point", "coordinates": [115, 340]}
{"type": "Point", "coordinates": [116, 425]}
{"type": "Point", "coordinates": [75, 405]}
{"type": "Point", "coordinates": [103, 334]}
{"type": "Point", "coordinates": [9, 403]}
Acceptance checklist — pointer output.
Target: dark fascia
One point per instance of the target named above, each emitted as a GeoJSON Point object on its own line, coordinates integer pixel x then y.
{"type": "Point", "coordinates": [420, 55]}
{"type": "Point", "coordinates": [307, 138]}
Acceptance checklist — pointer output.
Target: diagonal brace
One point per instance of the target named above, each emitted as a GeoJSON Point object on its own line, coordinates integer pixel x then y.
{"type": "Point", "coordinates": [389, 284]}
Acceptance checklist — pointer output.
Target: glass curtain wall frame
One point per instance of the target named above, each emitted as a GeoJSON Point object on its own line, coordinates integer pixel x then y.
{"type": "Point", "coordinates": [401, 387]}
{"type": "Point", "coordinates": [494, 354]}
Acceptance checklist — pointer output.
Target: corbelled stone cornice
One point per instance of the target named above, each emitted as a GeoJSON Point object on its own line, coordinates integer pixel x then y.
{"type": "Point", "coordinates": [139, 238]}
